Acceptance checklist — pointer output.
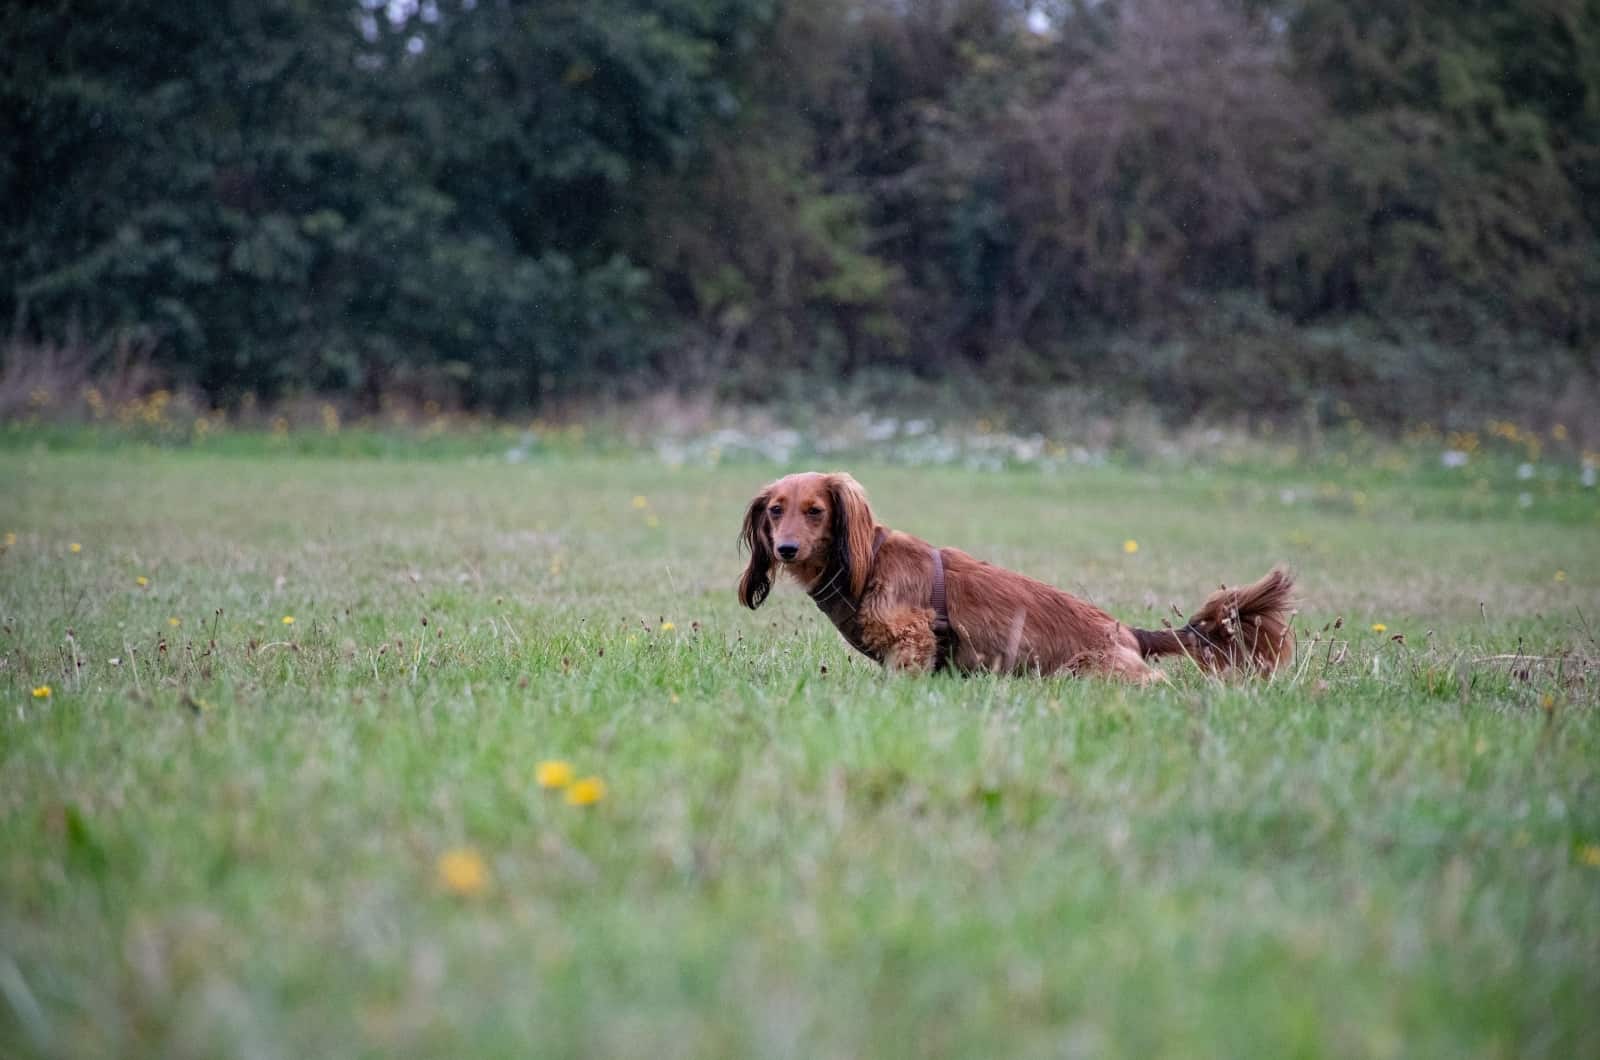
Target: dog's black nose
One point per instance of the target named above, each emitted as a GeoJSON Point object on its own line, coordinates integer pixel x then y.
{"type": "Point", "coordinates": [788, 551]}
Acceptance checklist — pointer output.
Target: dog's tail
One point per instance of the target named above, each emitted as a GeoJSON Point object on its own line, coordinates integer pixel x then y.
{"type": "Point", "coordinates": [1245, 629]}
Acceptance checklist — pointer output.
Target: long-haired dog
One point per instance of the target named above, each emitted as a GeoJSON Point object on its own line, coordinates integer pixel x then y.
{"type": "Point", "coordinates": [910, 606]}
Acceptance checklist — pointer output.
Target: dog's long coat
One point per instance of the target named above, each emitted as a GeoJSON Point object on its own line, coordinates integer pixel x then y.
{"type": "Point", "coordinates": [877, 586]}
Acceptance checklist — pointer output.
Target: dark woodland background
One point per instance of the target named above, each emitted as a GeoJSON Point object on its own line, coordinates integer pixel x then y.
{"type": "Point", "coordinates": [1214, 207]}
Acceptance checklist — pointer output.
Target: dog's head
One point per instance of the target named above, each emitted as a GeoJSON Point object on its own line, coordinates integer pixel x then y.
{"type": "Point", "coordinates": [802, 522]}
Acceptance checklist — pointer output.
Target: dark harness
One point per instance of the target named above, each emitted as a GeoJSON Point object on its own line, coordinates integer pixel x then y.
{"type": "Point", "coordinates": [832, 597]}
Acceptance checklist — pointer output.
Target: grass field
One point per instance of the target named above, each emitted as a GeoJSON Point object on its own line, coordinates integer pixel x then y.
{"type": "Point", "coordinates": [223, 833]}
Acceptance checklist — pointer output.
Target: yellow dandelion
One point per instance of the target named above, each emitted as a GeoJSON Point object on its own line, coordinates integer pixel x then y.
{"type": "Point", "coordinates": [174, 621]}
{"type": "Point", "coordinates": [586, 792]}
{"type": "Point", "coordinates": [288, 620]}
{"type": "Point", "coordinates": [1130, 546]}
{"type": "Point", "coordinates": [141, 581]}
{"type": "Point", "coordinates": [1561, 575]}
{"type": "Point", "coordinates": [1379, 627]}
{"type": "Point", "coordinates": [553, 773]}
{"type": "Point", "coordinates": [11, 539]}
{"type": "Point", "coordinates": [462, 871]}
{"type": "Point", "coordinates": [640, 503]}
{"type": "Point", "coordinates": [667, 627]}
{"type": "Point", "coordinates": [651, 521]}
{"type": "Point", "coordinates": [1559, 432]}
{"type": "Point", "coordinates": [1481, 746]}
{"type": "Point", "coordinates": [41, 692]}
{"type": "Point", "coordinates": [74, 548]}
{"type": "Point", "coordinates": [1589, 854]}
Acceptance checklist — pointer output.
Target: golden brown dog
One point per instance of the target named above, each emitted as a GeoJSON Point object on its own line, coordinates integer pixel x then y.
{"type": "Point", "coordinates": [910, 606]}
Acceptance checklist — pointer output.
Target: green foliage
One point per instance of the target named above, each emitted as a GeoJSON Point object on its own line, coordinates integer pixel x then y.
{"type": "Point", "coordinates": [1455, 182]}
{"type": "Point", "coordinates": [510, 202]}
{"type": "Point", "coordinates": [289, 197]}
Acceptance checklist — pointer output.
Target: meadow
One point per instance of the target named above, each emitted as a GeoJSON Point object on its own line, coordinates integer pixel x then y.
{"type": "Point", "coordinates": [295, 747]}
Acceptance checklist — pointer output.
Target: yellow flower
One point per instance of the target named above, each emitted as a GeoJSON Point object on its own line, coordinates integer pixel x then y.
{"type": "Point", "coordinates": [462, 871]}
{"type": "Point", "coordinates": [651, 521]}
{"type": "Point", "coordinates": [42, 692]}
{"type": "Point", "coordinates": [1589, 854]}
{"type": "Point", "coordinates": [1130, 546]}
{"type": "Point", "coordinates": [553, 773]}
{"type": "Point", "coordinates": [141, 581]}
{"type": "Point", "coordinates": [586, 792]}
{"type": "Point", "coordinates": [667, 627]}
{"type": "Point", "coordinates": [1561, 575]}
{"type": "Point", "coordinates": [640, 503]}
{"type": "Point", "coordinates": [288, 620]}
{"type": "Point", "coordinates": [11, 538]}
{"type": "Point", "coordinates": [74, 548]}
{"type": "Point", "coordinates": [1379, 627]}
{"type": "Point", "coordinates": [1559, 432]}
{"type": "Point", "coordinates": [174, 622]}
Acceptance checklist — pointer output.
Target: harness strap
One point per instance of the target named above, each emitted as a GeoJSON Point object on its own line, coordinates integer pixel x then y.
{"type": "Point", "coordinates": [941, 613]}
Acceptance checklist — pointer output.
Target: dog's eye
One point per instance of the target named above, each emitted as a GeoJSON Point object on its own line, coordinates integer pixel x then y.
{"type": "Point", "coordinates": [813, 511]}
{"type": "Point", "coordinates": [775, 511]}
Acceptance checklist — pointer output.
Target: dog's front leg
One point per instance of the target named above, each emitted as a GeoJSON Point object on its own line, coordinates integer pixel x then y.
{"type": "Point", "coordinates": [901, 636]}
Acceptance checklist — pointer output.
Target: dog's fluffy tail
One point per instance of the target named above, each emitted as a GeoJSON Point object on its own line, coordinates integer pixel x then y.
{"type": "Point", "coordinates": [1243, 629]}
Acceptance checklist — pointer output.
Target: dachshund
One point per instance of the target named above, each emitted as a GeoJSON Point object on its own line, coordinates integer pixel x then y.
{"type": "Point", "coordinates": [912, 607]}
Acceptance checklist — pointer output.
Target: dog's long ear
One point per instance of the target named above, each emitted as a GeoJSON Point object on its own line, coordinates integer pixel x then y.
{"type": "Point", "coordinates": [757, 579]}
{"type": "Point", "coordinates": [852, 528]}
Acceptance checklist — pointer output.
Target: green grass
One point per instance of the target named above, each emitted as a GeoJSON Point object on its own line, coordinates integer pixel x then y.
{"type": "Point", "coordinates": [227, 841]}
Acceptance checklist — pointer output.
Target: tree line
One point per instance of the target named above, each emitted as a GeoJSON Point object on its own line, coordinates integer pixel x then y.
{"type": "Point", "coordinates": [1219, 204]}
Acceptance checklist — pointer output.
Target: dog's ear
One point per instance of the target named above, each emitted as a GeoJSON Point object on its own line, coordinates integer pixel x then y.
{"type": "Point", "coordinates": [757, 579]}
{"type": "Point", "coordinates": [852, 528]}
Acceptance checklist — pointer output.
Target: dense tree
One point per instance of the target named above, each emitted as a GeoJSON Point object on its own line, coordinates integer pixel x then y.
{"type": "Point", "coordinates": [170, 179]}
{"type": "Point", "coordinates": [512, 201]}
{"type": "Point", "coordinates": [331, 195]}
{"type": "Point", "coordinates": [1455, 182]}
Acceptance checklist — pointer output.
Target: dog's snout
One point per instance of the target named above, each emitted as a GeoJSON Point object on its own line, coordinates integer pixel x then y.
{"type": "Point", "coordinates": [788, 550]}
